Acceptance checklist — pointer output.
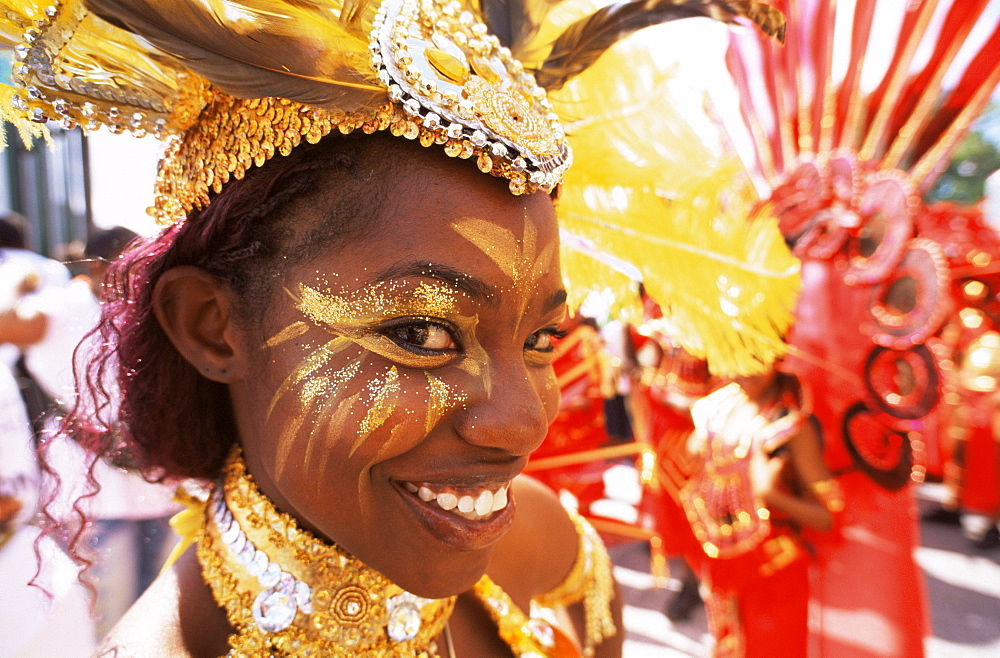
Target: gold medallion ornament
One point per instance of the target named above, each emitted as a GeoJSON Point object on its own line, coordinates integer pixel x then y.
{"type": "Point", "coordinates": [455, 79]}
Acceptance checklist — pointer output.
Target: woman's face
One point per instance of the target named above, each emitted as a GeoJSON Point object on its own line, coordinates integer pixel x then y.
{"type": "Point", "coordinates": [402, 379]}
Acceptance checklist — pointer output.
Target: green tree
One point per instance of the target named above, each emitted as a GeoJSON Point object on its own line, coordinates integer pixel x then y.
{"type": "Point", "coordinates": [976, 157]}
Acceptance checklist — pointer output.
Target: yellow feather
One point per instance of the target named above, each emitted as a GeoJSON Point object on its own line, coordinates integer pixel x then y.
{"type": "Point", "coordinates": [311, 51]}
{"type": "Point", "coordinates": [649, 189]}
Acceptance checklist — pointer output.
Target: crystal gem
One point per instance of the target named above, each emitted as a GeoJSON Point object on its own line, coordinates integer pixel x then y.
{"type": "Point", "coordinates": [247, 554]}
{"type": "Point", "coordinates": [271, 575]}
{"type": "Point", "coordinates": [499, 150]}
{"type": "Point", "coordinates": [404, 618]}
{"type": "Point", "coordinates": [273, 610]}
{"type": "Point", "coordinates": [230, 532]}
{"type": "Point", "coordinates": [412, 107]}
{"type": "Point", "coordinates": [499, 605]}
{"type": "Point", "coordinates": [542, 632]}
{"type": "Point", "coordinates": [478, 139]}
{"type": "Point", "coordinates": [303, 596]}
{"type": "Point", "coordinates": [258, 565]}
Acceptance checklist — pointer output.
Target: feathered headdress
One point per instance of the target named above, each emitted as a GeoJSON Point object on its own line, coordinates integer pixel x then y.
{"type": "Point", "coordinates": [231, 83]}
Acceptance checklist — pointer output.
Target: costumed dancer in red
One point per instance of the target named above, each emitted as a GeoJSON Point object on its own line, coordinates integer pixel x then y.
{"type": "Point", "coordinates": [761, 479]}
{"type": "Point", "coordinates": [845, 164]}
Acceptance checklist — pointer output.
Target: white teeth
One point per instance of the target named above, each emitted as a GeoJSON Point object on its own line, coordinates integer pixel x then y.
{"type": "Point", "coordinates": [500, 500]}
{"type": "Point", "coordinates": [447, 501]}
{"type": "Point", "coordinates": [484, 503]}
{"type": "Point", "coordinates": [466, 504]}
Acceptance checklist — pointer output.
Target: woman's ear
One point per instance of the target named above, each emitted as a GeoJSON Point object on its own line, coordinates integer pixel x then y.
{"type": "Point", "coordinates": [193, 307]}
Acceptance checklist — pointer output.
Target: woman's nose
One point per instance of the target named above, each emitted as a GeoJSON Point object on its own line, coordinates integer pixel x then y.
{"type": "Point", "coordinates": [509, 412]}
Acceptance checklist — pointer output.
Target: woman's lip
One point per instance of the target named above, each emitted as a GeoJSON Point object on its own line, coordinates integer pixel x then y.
{"type": "Point", "coordinates": [457, 532]}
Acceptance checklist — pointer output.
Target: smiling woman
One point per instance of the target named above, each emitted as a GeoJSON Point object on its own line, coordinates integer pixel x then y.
{"type": "Point", "coordinates": [345, 331]}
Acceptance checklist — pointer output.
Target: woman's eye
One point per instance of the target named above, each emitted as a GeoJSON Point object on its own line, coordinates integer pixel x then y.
{"type": "Point", "coordinates": [544, 340]}
{"type": "Point", "coordinates": [422, 335]}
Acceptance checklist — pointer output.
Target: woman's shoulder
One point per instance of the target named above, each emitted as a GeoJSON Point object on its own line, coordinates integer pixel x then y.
{"type": "Point", "coordinates": [541, 547]}
{"type": "Point", "coordinates": [156, 625]}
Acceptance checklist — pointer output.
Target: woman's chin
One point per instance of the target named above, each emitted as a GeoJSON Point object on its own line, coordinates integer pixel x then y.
{"type": "Point", "coordinates": [443, 580]}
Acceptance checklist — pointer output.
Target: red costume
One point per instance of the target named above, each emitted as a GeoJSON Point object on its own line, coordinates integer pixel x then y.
{"type": "Point", "coordinates": [967, 452]}
{"type": "Point", "coordinates": [845, 168]}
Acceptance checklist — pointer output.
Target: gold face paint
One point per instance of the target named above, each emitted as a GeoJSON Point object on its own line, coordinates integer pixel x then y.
{"type": "Point", "coordinates": [359, 318]}
{"type": "Point", "coordinates": [338, 419]}
{"type": "Point", "coordinates": [518, 260]}
{"type": "Point", "coordinates": [440, 398]}
{"type": "Point", "coordinates": [382, 405]}
{"type": "Point", "coordinates": [309, 366]}
{"type": "Point", "coordinates": [293, 330]}
{"type": "Point", "coordinates": [314, 396]}
{"type": "Point", "coordinates": [376, 303]}
{"type": "Point", "coordinates": [496, 242]}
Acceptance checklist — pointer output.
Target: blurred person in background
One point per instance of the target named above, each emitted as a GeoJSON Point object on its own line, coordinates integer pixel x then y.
{"type": "Point", "coordinates": [761, 482]}
{"type": "Point", "coordinates": [51, 619]}
{"type": "Point", "coordinates": [41, 322]}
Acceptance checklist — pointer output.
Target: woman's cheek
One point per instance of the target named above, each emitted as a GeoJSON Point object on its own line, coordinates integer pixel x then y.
{"type": "Point", "coordinates": [548, 392]}
{"type": "Point", "coordinates": [420, 402]}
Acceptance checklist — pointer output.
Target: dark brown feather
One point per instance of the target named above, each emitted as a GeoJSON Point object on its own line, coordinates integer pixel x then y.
{"type": "Point", "coordinates": [515, 22]}
{"type": "Point", "coordinates": [584, 41]}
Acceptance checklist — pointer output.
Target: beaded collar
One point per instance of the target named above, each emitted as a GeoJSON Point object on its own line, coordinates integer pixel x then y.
{"type": "Point", "coordinates": [288, 593]}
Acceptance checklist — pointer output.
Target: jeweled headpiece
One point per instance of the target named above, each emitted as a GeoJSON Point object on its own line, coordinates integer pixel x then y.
{"type": "Point", "coordinates": [233, 82]}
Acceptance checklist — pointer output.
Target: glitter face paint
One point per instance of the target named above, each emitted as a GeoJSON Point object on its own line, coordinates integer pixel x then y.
{"type": "Point", "coordinates": [519, 260]}
{"type": "Point", "coordinates": [353, 319]}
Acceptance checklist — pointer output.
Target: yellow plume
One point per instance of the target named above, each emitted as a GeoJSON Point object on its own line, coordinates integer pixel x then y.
{"type": "Point", "coordinates": [648, 189]}
{"type": "Point", "coordinates": [310, 51]}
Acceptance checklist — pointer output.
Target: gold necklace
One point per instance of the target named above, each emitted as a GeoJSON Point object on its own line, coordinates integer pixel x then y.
{"type": "Point", "coordinates": [288, 593]}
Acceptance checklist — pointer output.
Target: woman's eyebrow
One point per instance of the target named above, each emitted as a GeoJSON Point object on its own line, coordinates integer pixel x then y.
{"type": "Point", "coordinates": [475, 288]}
{"type": "Point", "coordinates": [557, 299]}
